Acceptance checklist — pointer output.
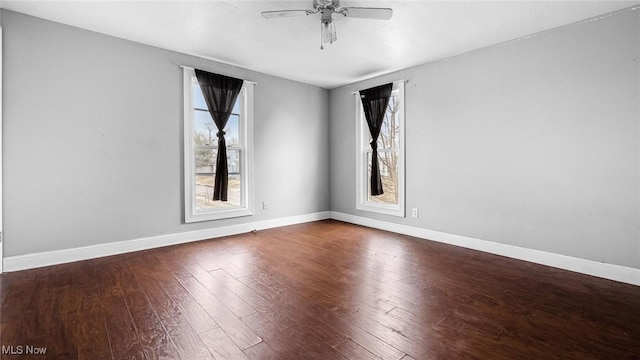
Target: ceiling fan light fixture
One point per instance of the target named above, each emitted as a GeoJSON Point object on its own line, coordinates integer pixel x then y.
{"type": "Point", "coordinates": [328, 30]}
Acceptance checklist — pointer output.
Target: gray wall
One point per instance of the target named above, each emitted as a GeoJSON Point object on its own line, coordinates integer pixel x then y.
{"type": "Point", "coordinates": [93, 139]}
{"type": "Point", "coordinates": [533, 143]}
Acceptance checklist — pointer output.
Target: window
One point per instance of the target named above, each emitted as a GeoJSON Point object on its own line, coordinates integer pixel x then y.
{"type": "Point", "coordinates": [390, 157]}
{"type": "Point", "coordinates": [200, 151]}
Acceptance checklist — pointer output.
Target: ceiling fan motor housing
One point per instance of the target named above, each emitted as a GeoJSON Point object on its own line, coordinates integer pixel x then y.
{"type": "Point", "coordinates": [325, 16]}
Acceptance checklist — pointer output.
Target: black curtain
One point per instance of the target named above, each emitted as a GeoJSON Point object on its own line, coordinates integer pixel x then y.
{"type": "Point", "coordinates": [220, 93]}
{"type": "Point", "coordinates": [374, 104]}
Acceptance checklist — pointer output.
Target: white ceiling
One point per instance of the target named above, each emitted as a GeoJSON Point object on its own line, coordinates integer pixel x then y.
{"type": "Point", "coordinates": [234, 32]}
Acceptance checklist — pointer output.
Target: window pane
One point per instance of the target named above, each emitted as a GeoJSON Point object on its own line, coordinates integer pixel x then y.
{"type": "Point", "coordinates": [205, 160]}
{"type": "Point", "coordinates": [232, 131]}
{"type": "Point", "coordinates": [390, 132]}
{"type": "Point", "coordinates": [236, 106]}
{"type": "Point", "coordinates": [198, 99]}
{"type": "Point", "coordinates": [200, 103]}
{"type": "Point", "coordinates": [205, 131]}
{"type": "Point", "coordinates": [388, 164]}
{"type": "Point", "coordinates": [204, 128]}
{"type": "Point", "coordinates": [389, 137]}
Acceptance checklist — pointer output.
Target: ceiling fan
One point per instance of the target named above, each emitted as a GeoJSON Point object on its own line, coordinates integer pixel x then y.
{"type": "Point", "coordinates": [326, 9]}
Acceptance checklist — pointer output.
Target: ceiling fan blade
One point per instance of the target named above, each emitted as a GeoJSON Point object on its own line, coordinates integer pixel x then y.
{"type": "Point", "coordinates": [368, 13]}
{"type": "Point", "coordinates": [283, 13]}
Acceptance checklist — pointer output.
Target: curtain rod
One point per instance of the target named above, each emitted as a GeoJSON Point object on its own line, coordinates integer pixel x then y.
{"type": "Point", "coordinates": [190, 68]}
{"type": "Point", "coordinates": [395, 82]}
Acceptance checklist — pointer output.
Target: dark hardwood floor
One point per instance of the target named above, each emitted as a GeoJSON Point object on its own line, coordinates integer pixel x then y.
{"type": "Point", "coordinates": [323, 290]}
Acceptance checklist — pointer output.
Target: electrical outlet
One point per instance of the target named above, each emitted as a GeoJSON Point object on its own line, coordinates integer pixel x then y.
{"type": "Point", "coordinates": [264, 205]}
{"type": "Point", "coordinates": [414, 212]}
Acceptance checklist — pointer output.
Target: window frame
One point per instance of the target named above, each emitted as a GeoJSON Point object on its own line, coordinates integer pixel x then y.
{"type": "Point", "coordinates": [363, 149]}
{"type": "Point", "coordinates": [245, 146]}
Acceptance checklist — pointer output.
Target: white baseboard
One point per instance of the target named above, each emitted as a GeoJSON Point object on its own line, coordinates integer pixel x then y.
{"type": "Point", "coordinates": [608, 271]}
{"type": "Point", "coordinates": [30, 261]}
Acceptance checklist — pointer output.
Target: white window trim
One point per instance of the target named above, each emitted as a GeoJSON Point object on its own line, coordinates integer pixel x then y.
{"type": "Point", "coordinates": [362, 178]}
{"type": "Point", "coordinates": [246, 163]}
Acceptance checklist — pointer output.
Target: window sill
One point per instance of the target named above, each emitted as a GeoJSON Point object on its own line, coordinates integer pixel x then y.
{"type": "Point", "coordinates": [217, 215]}
{"type": "Point", "coordinates": [382, 209]}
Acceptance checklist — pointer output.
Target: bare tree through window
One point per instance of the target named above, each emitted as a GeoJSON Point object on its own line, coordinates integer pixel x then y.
{"type": "Point", "coordinates": [388, 146]}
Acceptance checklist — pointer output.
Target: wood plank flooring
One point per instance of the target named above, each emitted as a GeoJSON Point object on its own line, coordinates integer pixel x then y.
{"type": "Point", "coordinates": [322, 290]}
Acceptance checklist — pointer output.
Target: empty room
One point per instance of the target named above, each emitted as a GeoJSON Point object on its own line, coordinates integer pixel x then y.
{"type": "Point", "coordinates": [319, 179]}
